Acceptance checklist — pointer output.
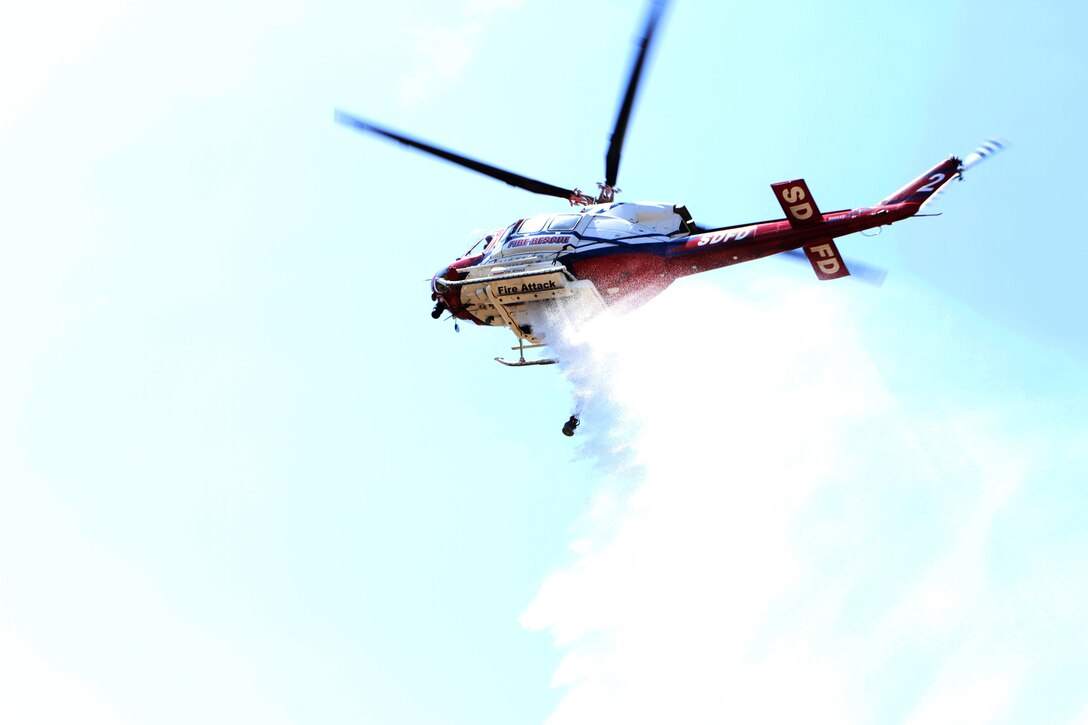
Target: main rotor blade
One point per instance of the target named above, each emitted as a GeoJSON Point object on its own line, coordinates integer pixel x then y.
{"type": "Point", "coordinates": [615, 146]}
{"type": "Point", "coordinates": [521, 182]}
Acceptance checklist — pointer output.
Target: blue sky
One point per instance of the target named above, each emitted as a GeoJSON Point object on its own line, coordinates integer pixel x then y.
{"type": "Point", "coordinates": [245, 477]}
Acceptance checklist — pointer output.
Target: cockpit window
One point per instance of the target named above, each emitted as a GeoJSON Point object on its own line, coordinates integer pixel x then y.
{"type": "Point", "coordinates": [478, 246]}
{"type": "Point", "coordinates": [486, 242]}
{"type": "Point", "coordinates": [564, 222]}
{"type": "Point", "coordinates": [533, 224]}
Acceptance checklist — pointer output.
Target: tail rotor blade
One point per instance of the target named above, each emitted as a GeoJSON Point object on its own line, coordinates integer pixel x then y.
{"type": "Point", "coordinates": [615, 146]}
{"type": "Point", "coordinates": [509, 177]}
{"type": "Point", "coordinates": [986, 150]}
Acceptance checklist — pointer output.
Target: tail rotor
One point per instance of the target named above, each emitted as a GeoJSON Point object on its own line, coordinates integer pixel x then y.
{"type": "Point", "coordinates": [985, 151]}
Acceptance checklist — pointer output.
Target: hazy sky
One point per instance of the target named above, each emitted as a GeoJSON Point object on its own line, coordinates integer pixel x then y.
{"type": "Point", "coordinates": [244, 477]}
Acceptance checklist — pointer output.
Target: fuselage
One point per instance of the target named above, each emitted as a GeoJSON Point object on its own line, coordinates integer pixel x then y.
{"type": "Point", "coordinates": [628, 251]}
{"type": "Point", "coordinates": [625, 253]}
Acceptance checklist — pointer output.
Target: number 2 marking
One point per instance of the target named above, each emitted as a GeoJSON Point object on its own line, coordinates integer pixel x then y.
{"type": "Point", "coordinates": [932, 185]}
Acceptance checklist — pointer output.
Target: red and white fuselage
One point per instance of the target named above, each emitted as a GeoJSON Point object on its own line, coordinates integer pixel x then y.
{"type": "Point", "coordinates": [625, 253]}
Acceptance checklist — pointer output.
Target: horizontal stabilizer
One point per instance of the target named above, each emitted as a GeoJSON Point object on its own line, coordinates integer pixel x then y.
{"type": "Point", "coordinates": [797, 203]}
{"type": "Point", "coordinates": [859, 271]}
{"type": "Point", "coordinates": [802, 213]}
{"type": "Point", "coordinates": [825, 259]}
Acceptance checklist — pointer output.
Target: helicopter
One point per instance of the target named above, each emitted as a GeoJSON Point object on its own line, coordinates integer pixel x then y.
{"type": "Point", "coordinates": [603, 253]}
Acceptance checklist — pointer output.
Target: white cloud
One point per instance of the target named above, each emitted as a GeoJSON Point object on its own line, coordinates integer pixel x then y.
{"type": "Point", "coordinates": [87, 637]}
{"type": "Point", "coordinates": [33, 691]}
{"type": "Point", "coordinates": [39, 38]}
{"type": "Point", "coordinates": [442, 52]}
{"type": "Point", "coordinates": [790, 543]}
{"type": "Point", "coordinates": [972, 696]}
{"type": "Point", "coordinates": [93, 75]}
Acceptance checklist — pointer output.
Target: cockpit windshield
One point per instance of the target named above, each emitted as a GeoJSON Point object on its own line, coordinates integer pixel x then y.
{"type": "Point", "coordinates": [487, 242]}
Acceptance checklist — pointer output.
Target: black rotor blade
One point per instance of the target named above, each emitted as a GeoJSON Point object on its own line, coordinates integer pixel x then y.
{"type": "Point", "coordinates": [615, 146]}
{"type": "Point", "coordinates": [522, 182]}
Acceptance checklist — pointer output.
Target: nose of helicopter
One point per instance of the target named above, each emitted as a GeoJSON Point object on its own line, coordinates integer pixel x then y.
{"type": "Point", "coordinates": [441, 293]}
{"type": "Point", "coordinates": [444, 290]}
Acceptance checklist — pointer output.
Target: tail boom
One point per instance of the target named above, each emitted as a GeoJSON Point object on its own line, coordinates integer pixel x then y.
{"type": "Point", "coordinates": [804, 228]}
{"type": "Point", "coordinates": [912, 196]}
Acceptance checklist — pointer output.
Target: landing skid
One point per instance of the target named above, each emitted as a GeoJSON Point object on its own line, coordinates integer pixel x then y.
{"type": "Point", "coordinates": [521, 361]}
